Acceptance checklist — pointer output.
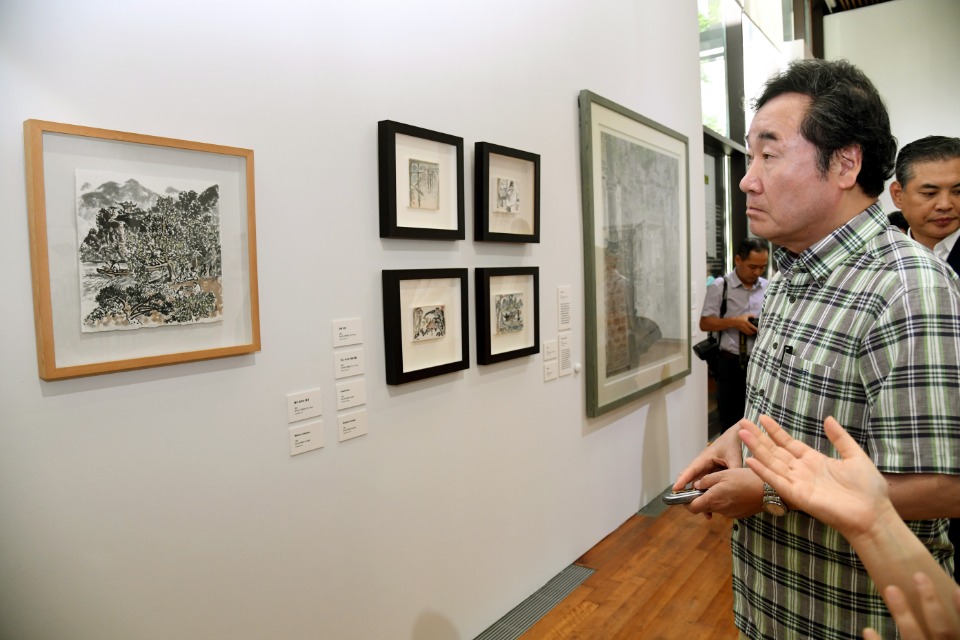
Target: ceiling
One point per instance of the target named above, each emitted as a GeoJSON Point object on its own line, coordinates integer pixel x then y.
{"type": "Point", "coordinates": [819, 9]}
{"type": "Point", "coordinates": [844, 5]}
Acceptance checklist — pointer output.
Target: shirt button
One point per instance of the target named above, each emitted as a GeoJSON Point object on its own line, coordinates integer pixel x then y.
{"type": "Point", "coordinates": [736, 527]}
{"type": "Point", "coordinates": [775, 346]}
{"type": "Point", "coordinates": [792, 299]}
{"type": "Point", "coordinates": [760, 393]}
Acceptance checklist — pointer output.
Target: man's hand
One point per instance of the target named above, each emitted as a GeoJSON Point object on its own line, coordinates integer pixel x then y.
{"type": "Point", "coordinates": [743, 324]}
{"type": "Point", "coordinates": [735, 493]}
{"type": "Point", "coordinates": [723, 453]}
{"type": "Point", "coordinates": [740, 323]}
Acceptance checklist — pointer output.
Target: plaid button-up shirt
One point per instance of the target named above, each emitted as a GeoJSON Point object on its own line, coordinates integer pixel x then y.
{"type": "Point", "coordinates": [863, 326]}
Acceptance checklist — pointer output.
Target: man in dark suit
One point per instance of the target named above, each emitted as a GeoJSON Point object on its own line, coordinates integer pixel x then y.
{"type": "Point", "coordinates": [927, 190]}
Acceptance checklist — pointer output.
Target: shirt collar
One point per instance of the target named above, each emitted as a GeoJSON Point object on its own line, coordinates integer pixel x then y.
{"type": "Point", "coordinates": [734, 281]}
{"type": "Point", "coordinates": [945, 246]}
{"type": "Point", "coordinates": [824, 256]}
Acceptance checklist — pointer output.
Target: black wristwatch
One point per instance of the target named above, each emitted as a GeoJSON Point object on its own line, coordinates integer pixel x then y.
{"type": "Point", "coordinates": [772, 503]}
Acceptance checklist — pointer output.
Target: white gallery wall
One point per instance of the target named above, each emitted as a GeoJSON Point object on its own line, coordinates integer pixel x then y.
{"type": "Point", "coordinates": [910, 49]}
{"type": "Point", "coordinates": [164, 503]}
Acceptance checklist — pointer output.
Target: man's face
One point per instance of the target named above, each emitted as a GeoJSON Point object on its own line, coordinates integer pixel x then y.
{"type": "Point", "coordinates": [751, 268]}
{"type": "Point", "coordinates": [930, 200]}
{"type": "Point", "coordinates": [788, 201]}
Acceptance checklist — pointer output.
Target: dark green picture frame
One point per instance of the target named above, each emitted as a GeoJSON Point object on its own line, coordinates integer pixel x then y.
{"type": "Point", "coordinates": [636, 215]}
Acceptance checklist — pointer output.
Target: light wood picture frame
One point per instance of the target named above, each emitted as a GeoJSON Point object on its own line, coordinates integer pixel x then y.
{"type": "Point", "coordinates": [143, 250]}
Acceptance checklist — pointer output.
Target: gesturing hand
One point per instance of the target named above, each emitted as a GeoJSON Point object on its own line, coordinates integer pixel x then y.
{"type": "Point", "coordinates": [845, 493]}
{"type": "Point", "coordinates": [933, 615]}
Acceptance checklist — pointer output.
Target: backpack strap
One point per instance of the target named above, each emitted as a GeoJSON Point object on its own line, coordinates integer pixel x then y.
{"type": "Point", "coordinates": [723, 306]}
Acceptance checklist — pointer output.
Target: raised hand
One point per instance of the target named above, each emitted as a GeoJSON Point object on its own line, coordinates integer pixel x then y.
{"type": "Point", "coordinates": [845, 493]}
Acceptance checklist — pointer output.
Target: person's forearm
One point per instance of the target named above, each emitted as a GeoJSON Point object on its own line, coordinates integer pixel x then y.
{"type": "Point", "coordinates": [924, 496]}
{"type": "Point", "coordinates": [892, 555]}
{"type": "Point", "coordinates": [713, 323]}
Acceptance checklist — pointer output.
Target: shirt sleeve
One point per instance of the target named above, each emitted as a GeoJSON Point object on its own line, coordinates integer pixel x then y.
{"type": "Point", "coordinates": [712, 299]}
{"type": "Point", "coordinates": [914, 418]}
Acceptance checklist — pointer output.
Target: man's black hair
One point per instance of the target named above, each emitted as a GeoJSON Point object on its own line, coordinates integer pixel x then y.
{"type": "Point", "coordinates": [929, 149]}
{"type": "Point", "coordinates": [749, 245]}
{"type": "Point", "coordinates": [845, 110]}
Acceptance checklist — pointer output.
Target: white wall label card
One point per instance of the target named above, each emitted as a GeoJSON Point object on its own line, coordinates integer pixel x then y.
{"type": "Point", "coordinates": [564, 307]}
{"type": "Point", "coordinates": [306, 438]}
{"type": "Point", "coordinates": [352, 424]}
{"type": "Point", "coordinates": [303, 405]}
{"type": "Point", "coordinates": [348, 331]}
{"type": "Point", "coordinates": [549, 371]}
{"type": "Point", "coordinates": [566, 355]}
{"type": "Point", "coordinates": [351, 394]}
{"type": "Point", "coordinates": [549, 350]}
{"type": "Point", "coordinates": [348, 363]}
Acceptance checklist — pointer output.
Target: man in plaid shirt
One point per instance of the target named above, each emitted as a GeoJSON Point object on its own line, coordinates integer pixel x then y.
{"type": "Point", "coordinates": [859, 323]}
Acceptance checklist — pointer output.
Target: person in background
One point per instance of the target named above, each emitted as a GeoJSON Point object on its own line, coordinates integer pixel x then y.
{"type": "Point", "coordinates": [896, 219]}
{"type": "Point", "coordinates": [729, 307]}
{"type": "Point", "coordinates": [927, 190]}
{"type": "Point", "coordinates": [850, 495]}
{"type": "Point", "coordinates": [860, 323]}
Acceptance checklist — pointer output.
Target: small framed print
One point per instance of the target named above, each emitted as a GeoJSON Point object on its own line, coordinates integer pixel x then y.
{"type": "Point", "coordinates": [425, 323]}
{"type": "Point", "coordinates": [421, 183]}
{"type": "Point", "coordinates": [508, 313]}
{"type": "Point", "coordinates": [507, 194]}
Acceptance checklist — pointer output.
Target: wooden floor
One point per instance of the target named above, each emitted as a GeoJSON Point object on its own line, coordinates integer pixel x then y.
{"type": "Point", "coordinates": [664, 578]}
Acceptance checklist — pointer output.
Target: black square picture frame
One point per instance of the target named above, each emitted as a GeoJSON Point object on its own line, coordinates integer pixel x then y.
{"type": "Point", "coordinates": [507, 194]}
{"type": "Point", "coordinates": [425, 323]}
{"type": "Point", "coordinates": [508, 313]}
{"type": "Point", "coordinates": [421, 183]}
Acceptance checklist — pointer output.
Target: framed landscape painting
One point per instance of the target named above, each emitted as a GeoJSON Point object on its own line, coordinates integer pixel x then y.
{"type": "Point", "coordinates": [635, 186]}
{"type": "Point", "coordinates": [143, 250]}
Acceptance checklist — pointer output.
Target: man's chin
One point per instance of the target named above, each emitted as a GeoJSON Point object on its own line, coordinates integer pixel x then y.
{"type": "Point", "coordinates": [758, 229]}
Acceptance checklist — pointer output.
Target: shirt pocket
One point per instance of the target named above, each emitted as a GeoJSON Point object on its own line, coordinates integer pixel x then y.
{"type": "Point", "coordinates": [817, 390]}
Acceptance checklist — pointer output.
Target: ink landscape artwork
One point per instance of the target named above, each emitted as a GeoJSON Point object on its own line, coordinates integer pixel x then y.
{"type": "Point", "coordinates": [149, 251]}
{"type": "Point", "coordinates": [429, 323]}
{"type": "Point", "coordinates": [640, 184]}
{"type": "Point", "coordinates": [509, 312]}
{"type": "Point", "coordinates": [636, 213]}
{"type": "Point", "coordinates": [424, 185]}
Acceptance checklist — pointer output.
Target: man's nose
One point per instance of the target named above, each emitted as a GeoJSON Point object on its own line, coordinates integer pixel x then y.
{"type": "Point", "coordinates": [946, 200]}
{"type": "Point", "coordinates": [750, 183]}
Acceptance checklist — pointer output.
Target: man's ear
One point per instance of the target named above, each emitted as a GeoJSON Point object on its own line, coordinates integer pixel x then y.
{"type": "Point", "coordinates": [896, 194]}
{"type": "Point", "coordinates": [850, 161]}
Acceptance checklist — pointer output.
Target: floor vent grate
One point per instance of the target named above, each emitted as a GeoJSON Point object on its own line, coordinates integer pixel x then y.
{"type": "Point", "coordinates": [528, 612]}
{"type": "Point", "coordinates": [656, 507]}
